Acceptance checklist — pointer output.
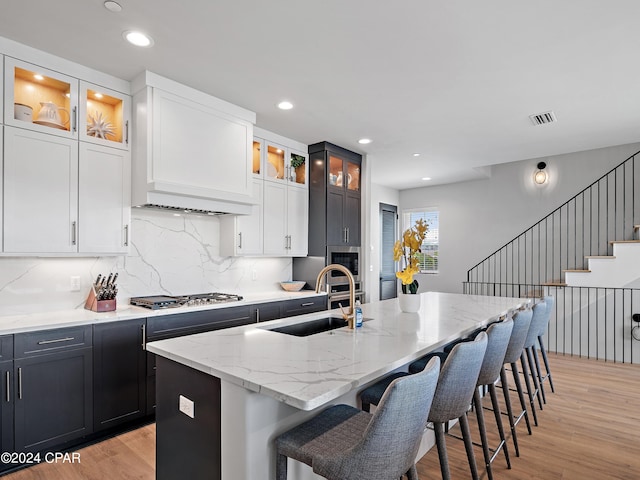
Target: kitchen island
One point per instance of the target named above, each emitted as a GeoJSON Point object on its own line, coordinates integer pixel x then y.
{"type": "Point", "coordinates": [224, 396]}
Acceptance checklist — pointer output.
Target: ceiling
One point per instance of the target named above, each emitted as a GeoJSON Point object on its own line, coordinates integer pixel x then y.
{"type": "Point", "coordinates": [453, 80]}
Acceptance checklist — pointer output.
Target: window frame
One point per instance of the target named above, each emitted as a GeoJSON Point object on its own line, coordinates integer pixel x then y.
{"type": "Point", "coordinates": [407, 223]}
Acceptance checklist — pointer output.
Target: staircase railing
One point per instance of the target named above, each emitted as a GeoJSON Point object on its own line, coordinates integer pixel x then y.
{"type": "Point", "coordinates": [605, 211]}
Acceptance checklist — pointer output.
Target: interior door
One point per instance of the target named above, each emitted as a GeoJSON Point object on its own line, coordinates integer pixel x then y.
{"type": "Point", "coordinates": [388, 229]}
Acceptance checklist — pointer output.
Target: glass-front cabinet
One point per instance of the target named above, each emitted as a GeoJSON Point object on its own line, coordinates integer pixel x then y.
{"type": "Point", "coordinates": [344, 173]}
{"type": "Point", "coordinates": [105, 116]}
{"type": "Point", "coordinates": [50, 102]}
{"type": "Point", "coordinates": [279, 163]}
{"type": "Point", "coordinates": [40, 99]}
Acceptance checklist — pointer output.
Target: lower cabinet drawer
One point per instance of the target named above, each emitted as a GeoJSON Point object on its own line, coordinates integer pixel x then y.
{"type": "Point", "coordinates": [49, 341]}
{"type": "Point", "coordinates": [304, 305]}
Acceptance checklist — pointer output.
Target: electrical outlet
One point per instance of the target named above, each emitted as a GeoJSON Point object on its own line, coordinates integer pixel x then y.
{"type": "Point", "coordinates": [254, 274]}
{"type": "Point", "coordinates": [187, 406]}
{"type": "Point", "coordinates": [75, 284]}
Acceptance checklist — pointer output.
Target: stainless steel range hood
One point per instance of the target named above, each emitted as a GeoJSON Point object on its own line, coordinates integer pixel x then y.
{"type": "Point", "coordinates": [191, 152]}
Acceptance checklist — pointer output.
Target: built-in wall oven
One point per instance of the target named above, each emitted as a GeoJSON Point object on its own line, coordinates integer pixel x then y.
{"type": "Point", "coordinates": [308, 268]}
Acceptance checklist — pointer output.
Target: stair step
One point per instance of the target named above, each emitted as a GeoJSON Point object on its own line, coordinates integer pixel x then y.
{"type": "Point", "coordinates": [612, 242]}
{"type": "Point", "coordinates": [554, 284]}
{"type": "Point", "coordinates": [608, 257]}
{"type": "Point", "coordinates": [578, 271]}
{"type": "Point", "coordinates": [636, 227]}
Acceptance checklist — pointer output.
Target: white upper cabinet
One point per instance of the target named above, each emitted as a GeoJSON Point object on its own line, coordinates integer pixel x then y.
{"type": "Point", "coordinates": [40, 99]}
{"type": "Point", "coordinates": [66, 177]}
{"type": "Point", "coordinates": [104, 194]}
{"type": "Point", "coordinates": [40, 192]}
{"type": "Point", "coordinates": [242, 235]}
{"type": "Point", "coordinates": [280, 163]}
{"type": "Point", "coordinates": [105, 116]}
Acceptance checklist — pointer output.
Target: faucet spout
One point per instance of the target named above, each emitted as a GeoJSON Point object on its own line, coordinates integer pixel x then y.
{"type": "Point", "coordinates": [349, 316]}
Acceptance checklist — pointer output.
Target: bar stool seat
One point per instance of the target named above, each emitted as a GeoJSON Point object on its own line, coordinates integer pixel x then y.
{"type": "Point", "coordinates": [343, 442]}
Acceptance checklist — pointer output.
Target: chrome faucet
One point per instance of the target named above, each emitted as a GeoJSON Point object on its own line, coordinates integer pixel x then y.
{"type": "Point", "coordinates": [349, 316]}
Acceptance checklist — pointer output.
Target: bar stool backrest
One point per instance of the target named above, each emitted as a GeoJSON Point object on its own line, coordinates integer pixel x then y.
{"type": "Point", "coordinates": [457, 382]}
{"type": "Point", "coordinates": [521, 324]}
{"type": "Point", "coordinates": [390, 443]}
{"type": "Point", "coordinates": [499, 335]}
{"type": "Point", "coordinates": [538, 321]}
{"type": "Point", "coordinates": [542, 326]}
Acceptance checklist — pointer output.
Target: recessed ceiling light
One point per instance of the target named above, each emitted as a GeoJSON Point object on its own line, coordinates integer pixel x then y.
{"type": "Point", "coordinates": [416, 154]}
{"type": "Point", "coordinates": [97, 95]}
{"type": "Point", "coordinates": [285, 105]}
{"type": "Point", "coordinates": [426, 178]}
{"type": "Point", "coordinates": [37, 76]}
{"type": "Point", "coordinates": [364, 141]}
{"type": "Point", "coordinates": [138, 39]}
{"type": "Point", "coordinates": [112, 6]}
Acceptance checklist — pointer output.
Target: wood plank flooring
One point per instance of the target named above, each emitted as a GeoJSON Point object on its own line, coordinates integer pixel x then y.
{"type": "Point", "coordinates": [589, 429]}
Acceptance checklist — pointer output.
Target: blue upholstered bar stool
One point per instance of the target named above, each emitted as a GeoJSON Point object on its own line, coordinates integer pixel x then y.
{"type": "Point", "coordinates": [528, 361]}
{"type": "Point", "coordinates": [499, 336]}
{"type": "Point", "coordinates": [521, 324]}
{"type": "Point", "coordinates": [343, 442]}
{"type": "Point", "coordinates": [550, 301]}
{"type": "Point", "coordinates": [453, 396]}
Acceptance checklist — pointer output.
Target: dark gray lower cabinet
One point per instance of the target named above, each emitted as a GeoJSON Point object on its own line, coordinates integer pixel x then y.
{"type": "Point", "coordinates": [263, 312]}
{"type": "Point", "coordinates": [53, 398]}
{"type": "Point", "coordinates": [119, 373]}
{"type": "Point", "coordinates": [6, 408]}
{"type": "Point", "coordinates": [301, 306]}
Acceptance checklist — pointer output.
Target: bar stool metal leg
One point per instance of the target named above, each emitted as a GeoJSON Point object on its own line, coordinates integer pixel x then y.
{"type": "Point", "coordinates": [546, 364]}
{"type": "Point", "coordinates": [527, 381]}
{"type": "Point", "coordinates": [534, 375]}
{"type": "Point", "coordinates": [498, 416]}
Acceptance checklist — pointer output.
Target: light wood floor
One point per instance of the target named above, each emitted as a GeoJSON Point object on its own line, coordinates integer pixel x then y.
{"type": "Point", "coordinates": [589, 429]}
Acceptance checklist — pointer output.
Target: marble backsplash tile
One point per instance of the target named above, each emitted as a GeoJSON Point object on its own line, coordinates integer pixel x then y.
{"type": "Point", "coordinates": [169, 255]}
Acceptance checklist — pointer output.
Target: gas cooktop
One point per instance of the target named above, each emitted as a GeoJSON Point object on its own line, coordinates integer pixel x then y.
{"type": "Point", "coordinates": [156, 302]}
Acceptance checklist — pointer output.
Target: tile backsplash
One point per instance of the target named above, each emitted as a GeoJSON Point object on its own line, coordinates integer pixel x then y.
{"type": "Point", "coordinates": [168, 255]}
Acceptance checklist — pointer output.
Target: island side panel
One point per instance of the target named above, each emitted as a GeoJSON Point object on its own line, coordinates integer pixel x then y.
{"type": "Point", "coordinates": [187, 447]}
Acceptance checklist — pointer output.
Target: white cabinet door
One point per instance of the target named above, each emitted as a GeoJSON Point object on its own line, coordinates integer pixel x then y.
{"type": "Point", "coordinates": [243, 234]}
{"type": "Point", "coordinates": [275, 225]}
{"type": "Point", "coordinates": [104, 199]}
{"type": "Point", "coordinates": [297, 221]}
{"type": "Point", "coordinates": [40, 192]}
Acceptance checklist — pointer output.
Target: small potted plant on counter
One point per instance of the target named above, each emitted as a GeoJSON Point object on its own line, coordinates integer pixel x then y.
{"type": "Point", "coordinates": [406, 251]}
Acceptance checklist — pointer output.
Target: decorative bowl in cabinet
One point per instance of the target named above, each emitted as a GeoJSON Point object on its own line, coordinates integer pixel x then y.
{"type": "Point", "coordinates": [292, 286]}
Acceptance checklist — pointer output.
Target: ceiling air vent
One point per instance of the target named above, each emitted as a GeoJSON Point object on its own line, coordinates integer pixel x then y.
{"type": "Point", "coordinates": [542, 118]}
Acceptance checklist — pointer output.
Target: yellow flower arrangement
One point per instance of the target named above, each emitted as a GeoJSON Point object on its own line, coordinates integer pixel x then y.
{"type": "Point", "coordinates": [406, 252]}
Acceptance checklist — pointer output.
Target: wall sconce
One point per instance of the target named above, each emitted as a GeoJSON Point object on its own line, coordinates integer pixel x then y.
{"type": "Point", "coordinates": [540, 177]}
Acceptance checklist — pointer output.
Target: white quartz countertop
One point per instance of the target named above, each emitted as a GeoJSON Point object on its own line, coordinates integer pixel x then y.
{"type": "Point", "coordinates": [307, 372]}
{"type": "Point", "coordinates": [69, 318]}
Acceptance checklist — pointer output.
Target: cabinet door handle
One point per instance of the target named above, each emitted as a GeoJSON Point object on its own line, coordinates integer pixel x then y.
{"type": "Point", "coordinates": [8, 380]}
{"type": "Point", "coordinates": [240, 240]}
{"type": "Point", "coordinates": [144, 337]}
{"type": "Point", "coordinates": [257, 315]}
{"type": "Point", "coordinates": [126, 132]}
{"type": "Point", "coordinates": [73, 233]}
{"type": "Point", "coordinates": [74, 118]}
{"type": "Point", "coordinates": [57, 340]}
{"type": "Point", "coordinates": [347, 234]}
{"type": "Point", "coordinates": [126, 235]}
{"type": "Point", "coordinates": [308, 304]}
{"type": "Point", "coordinates": [20, 383]}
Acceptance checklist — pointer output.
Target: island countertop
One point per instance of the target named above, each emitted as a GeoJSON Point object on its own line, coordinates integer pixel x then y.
{"type": "Point", "coordinates": [307, 372]}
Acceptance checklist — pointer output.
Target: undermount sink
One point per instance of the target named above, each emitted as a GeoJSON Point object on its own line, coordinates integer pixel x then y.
{"type": "Point", "coordinates": [311, 327]}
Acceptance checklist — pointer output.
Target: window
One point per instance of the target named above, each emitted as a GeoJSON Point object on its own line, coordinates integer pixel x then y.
{"type": "Point", "coordinates": [428, 255]}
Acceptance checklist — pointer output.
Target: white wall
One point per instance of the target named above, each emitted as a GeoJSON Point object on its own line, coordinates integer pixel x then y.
{"type": "Point", "coordinates": [378, 195]}
{"type": "Point", "coordinates": [169, 255]}
{"type": "Point", "coordinates": [478, 217]}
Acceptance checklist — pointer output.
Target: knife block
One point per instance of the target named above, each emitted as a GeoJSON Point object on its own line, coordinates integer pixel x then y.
{"type": "Point", "coordinates": [96, 305]}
